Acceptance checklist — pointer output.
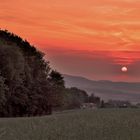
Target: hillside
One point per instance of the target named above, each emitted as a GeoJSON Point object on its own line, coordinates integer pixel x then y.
{"type": "Point", "coordinates": [28, 86]}
{"type": "Point", "coordinates": [106, 89]}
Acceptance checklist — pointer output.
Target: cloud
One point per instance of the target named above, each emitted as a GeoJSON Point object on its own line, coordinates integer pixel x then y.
{"type": "Point", "coordinates": [97, 65]}
{"type": "Point", "coordinates": [94, 39]}
{"type": "Point", "coordinates": [102, 24]}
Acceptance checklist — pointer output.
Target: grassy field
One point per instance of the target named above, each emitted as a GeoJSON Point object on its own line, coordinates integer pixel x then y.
{"type": "Point", "coordinates": [102, 124]}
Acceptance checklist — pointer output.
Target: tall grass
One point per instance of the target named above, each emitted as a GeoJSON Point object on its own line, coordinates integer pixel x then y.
{"type": "Point", "coordinates": [102, 124]}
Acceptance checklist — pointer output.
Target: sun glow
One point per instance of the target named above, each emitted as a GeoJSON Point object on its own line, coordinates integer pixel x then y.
{"type": "Point", "coordinates": [124, 69]}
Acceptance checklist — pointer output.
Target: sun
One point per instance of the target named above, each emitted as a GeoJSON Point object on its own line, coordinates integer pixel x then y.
{"type": "Point", "coordinates": [124, 69]}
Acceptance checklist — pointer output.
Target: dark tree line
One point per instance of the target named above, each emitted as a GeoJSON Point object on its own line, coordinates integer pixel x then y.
{"type": "Point", "coordinates": [28, 86]}
{"type": "Point", "coordinates": [74, 97]}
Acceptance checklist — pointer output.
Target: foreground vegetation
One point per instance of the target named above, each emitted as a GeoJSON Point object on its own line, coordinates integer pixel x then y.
{"type": "Point", "coordinates": [100, 124]}
{"type": "Point", "coordinates": [28, 85]}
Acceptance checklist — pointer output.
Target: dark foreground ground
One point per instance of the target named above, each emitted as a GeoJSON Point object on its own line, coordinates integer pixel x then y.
{"type": "Point", "coordinates": [102, 124]}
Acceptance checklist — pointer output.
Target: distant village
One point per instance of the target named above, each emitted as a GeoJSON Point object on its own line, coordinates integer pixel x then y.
{"type": "Point", "coordinates": [110, 104]}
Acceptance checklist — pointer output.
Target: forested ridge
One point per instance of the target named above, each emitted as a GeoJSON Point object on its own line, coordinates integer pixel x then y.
{"type": "Point", "coordinates": [28, 85]}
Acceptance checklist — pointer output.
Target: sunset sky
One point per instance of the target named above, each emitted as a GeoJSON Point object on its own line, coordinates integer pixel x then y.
{"type": "Point", "coordinates": [89, 38]}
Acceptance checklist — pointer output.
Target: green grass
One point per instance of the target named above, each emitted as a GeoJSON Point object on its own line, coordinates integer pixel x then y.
{"type": "Point", "coordinates": [101, 124]}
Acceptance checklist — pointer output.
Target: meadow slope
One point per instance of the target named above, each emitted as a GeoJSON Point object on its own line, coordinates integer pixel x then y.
{"type": "Point", "coordinates": [100, 124]}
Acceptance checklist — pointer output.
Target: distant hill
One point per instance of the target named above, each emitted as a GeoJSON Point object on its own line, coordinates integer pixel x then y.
{"type": "Point", "coordinates": [106, 89]}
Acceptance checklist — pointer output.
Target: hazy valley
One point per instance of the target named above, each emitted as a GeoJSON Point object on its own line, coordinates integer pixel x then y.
{"type": "Point", "coordinates": [106, 89]}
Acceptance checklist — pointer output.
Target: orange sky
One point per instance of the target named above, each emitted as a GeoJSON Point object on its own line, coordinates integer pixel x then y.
{"type": "Point", "coordinates": [84, 25]}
